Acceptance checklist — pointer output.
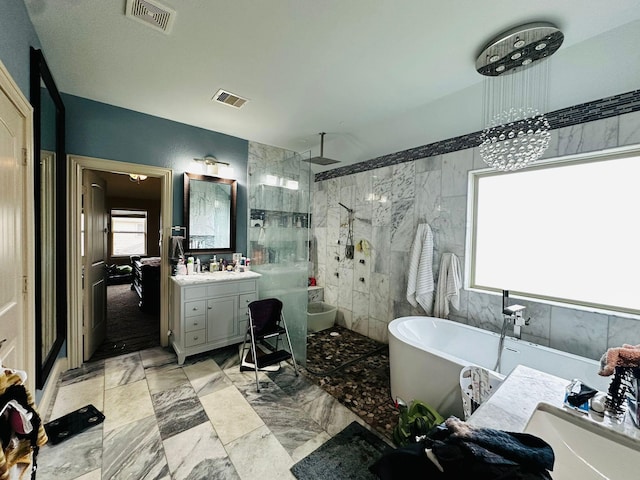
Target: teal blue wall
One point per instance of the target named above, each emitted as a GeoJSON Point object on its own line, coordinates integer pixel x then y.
{"type": "Point", "coordinates": [98, 130]}
{"type": "Point", "coordinates": [16, 36]}
{"type": "Point", "coordinates": [103, 131]}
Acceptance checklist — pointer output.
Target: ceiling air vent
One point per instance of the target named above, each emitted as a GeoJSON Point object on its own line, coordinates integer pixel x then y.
{"type": "Point", "coordinates": [151, 13]}
{"type": "Point", "coordinates": [229, 98]}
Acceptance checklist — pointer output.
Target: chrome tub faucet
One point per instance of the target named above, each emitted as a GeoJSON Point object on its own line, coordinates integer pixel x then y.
{"type": "Point", "coordinates": [514, 314]}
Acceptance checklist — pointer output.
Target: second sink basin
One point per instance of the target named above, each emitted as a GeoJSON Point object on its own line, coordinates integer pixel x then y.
{"type": "Point", "coordinates": [583, 449]}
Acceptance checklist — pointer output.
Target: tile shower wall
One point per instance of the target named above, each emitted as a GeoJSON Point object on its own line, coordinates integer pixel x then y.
{"type": "Point", "coordinates": [390, 201]}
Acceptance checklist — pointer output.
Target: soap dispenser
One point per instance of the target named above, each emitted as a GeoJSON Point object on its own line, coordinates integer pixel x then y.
{"type": "Point", "coordinates": [213, 266]}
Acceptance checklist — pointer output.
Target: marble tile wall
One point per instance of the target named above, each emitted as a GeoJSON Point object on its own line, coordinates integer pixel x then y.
{"type": "Point", "coordinates": [390, 201]}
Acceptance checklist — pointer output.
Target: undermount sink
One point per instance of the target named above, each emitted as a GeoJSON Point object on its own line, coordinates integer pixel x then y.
{"type": "Point", "coordinates": [584, 449]}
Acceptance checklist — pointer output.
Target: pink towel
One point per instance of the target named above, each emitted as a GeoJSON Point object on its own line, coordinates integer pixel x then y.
{"type": "Point", "coordinates": [624, 356]}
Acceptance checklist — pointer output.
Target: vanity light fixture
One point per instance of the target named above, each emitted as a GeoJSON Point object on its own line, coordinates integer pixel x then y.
{"type": "Point", "coordinates": [213, 166]}
{"type": "Point", "coordinates": [134, 177]}
{"type": "Point", "coordinates": [516, 130]}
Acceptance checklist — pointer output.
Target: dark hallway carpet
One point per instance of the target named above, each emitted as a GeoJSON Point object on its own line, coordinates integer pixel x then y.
{"type": "Point", "coordinates": [128, 328]}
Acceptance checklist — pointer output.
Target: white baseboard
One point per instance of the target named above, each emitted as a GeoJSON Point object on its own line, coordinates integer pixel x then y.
{"type": "Point", "coordinates": [44, 406]}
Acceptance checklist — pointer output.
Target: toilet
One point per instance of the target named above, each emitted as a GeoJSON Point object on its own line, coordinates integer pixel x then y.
{"type": "Point", "coordinates": [320, 316]}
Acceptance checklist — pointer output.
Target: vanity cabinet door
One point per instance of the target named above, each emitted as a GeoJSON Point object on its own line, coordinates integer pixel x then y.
{"type": "Point", "coordinates": [243, 311]}
{"type": "Point", "coordinates": [221, 318]}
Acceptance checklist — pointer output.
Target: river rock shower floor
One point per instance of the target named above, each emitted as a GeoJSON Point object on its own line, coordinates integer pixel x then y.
{"type": "Point", "coordinates": [355, 370]}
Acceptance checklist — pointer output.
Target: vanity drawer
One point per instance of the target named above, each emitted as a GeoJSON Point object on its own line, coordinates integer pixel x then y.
{"type": "Point", "coordinates": [191, 339]}
{"type": "Point", "coordinates": [245, 300]}
{"type": "Point", "coordinates": [197, 307]}
{"type": "Point", "coordinates": [191, 293]}
{"type": "Point", "coordinates": [247, 286]}
{"type": "Point", "coordinates": [222, 288]}
{"type": "Point", "coordinates": [195, 323]}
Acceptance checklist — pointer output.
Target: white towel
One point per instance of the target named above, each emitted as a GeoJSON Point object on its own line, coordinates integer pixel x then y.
{"type": "Point", "coordinates": [420, 281]}
{"type": "Point", "coordinates": [449, 284]}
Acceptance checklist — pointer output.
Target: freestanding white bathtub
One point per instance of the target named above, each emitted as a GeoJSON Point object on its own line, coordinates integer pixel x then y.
{"type": "Point", "coordinates": [426, 355]}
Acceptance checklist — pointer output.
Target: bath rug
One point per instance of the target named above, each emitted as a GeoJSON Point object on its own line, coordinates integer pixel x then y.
{"type": "Point", "coordinates": [73, 423]}
{"type": "Point", "coordinates": [348, 455]}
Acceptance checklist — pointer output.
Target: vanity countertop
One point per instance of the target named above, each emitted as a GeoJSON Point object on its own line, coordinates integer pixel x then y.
{"type": "Point", "coordinates": [207, 277]}
{"type": "Point", "coordinates": [513, 403]}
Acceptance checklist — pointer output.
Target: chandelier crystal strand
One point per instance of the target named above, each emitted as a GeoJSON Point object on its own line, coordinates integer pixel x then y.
{"type": "Point", "coordinates": [517, 131]}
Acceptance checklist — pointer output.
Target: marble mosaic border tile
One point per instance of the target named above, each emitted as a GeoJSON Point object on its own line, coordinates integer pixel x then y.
{"type": "Point", "coordinates": [585, 112]}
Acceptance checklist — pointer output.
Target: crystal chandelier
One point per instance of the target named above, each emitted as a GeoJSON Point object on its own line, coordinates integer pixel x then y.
{"type": "Point", "coordinates": [516, 129]}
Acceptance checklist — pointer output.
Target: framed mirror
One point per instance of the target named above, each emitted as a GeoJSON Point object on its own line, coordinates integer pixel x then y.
{"type": "Point", "coordinates": [209, 213]}
{"type": "Point", "coordinates": [50, 216]}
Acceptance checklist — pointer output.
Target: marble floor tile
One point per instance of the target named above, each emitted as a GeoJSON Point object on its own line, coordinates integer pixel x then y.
{"type": "Point", "coordinates": [330, 414]}
{"type": "Point", "coordinates": [177, 410]}
{"type": "Point", "coordinates": [73, 458]}
{"type": "Point", "coordinates": [197, 453]}
{"type": "Point", "coordinates": [206, 377]}
{"type": "Point", "coordinates": [227, 357]}
{"type": "Point", "coordinates": [135, 451]}
{"type": "Point", "coordinates": [247, 378]}
{"type": "Point", "coordinates": [286, 418]}
{"type": "Point", "coordinates": [158, 357]}
{"type": "Point", "coordinates": [86, 372]}
{"type": "Point", "coordinates": [310, 446]}
{"type": "Point", "coordinates": [165, 377]}
{"type": "Point", "coordinates": [202, 420]}
{"type": "Point", "coordinates": [126, 404]}
{"type": "Point", "coordinates": [76, 395]}
{"type": "Point", "coordinates": [94, 475]}
{"type": "Point", "coordinates": [259, 455]}
{"type": "Point", "coordinates": [297, 387]}
{"type": "Point", "coordinates": [230, 403]}
{"type": "Point", "coordinates": [122, 370]}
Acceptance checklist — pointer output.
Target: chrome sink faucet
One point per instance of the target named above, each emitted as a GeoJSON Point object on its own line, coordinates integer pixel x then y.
{"type": "Point", "coordinates": [514, 314]}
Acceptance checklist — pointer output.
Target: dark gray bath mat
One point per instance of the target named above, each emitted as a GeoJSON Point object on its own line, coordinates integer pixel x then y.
{"type": "Point", "coordinates": [348, 455]}
{"type": "Point", "coordinates": [73, 423]}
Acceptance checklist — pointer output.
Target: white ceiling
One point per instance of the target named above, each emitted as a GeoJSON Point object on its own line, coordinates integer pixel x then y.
{"type": "Point", "coordinates": [377, 75]}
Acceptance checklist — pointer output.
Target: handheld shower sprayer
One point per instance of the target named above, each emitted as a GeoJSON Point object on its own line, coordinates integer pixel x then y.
{"type": "Point", "coordinates": [345, 207]}
{"type": "Point", "coordinates": [349, 249]}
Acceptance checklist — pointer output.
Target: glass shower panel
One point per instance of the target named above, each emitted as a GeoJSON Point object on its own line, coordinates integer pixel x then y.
{"type": "Point", "coordinates": [279, 234]}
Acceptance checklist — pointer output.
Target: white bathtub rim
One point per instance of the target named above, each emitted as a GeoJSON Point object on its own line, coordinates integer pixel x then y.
{"type": "Point", "coordinates": [393, 331]}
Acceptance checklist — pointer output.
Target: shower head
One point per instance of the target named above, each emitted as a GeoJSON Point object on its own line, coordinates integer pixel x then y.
{"type": "Point", "coordinates": [321, 160]}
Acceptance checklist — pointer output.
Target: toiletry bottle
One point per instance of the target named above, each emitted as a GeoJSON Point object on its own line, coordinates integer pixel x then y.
{"type": "Point", "coordinates": [213, 266]}
{"type": "Point", "coordinates": [197, 269]}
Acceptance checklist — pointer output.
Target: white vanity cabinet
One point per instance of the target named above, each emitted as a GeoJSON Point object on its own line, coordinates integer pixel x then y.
{"type": "Point", "coordinates": [209, 311]}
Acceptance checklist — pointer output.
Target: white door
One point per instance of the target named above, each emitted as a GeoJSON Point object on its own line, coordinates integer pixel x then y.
{"type": "Point", "coordinates": [94, 266]}
{"type": "Point", "coordinates": [13, 236]}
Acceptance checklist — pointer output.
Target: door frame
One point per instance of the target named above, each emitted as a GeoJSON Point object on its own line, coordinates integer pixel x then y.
{"type": "Point", "coordinates": [27, 348]}
{"type": "Point", "coordinates": [77, 164]}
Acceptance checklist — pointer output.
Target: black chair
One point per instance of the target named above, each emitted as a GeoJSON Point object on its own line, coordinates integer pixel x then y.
{"type": "Point", "coordinates": [266, 321]}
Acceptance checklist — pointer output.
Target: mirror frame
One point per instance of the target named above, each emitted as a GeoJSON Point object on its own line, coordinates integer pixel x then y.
{"type": "Point", "coordinates": [232, 217]}
{"type": "Point", "coordinates": [40, 73]}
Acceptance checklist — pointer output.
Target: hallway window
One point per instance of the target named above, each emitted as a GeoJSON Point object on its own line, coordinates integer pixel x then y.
{"type": "Point", "coordinates": [128, 232]}
{"type": "Point", "coordinates": [562, 231]}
